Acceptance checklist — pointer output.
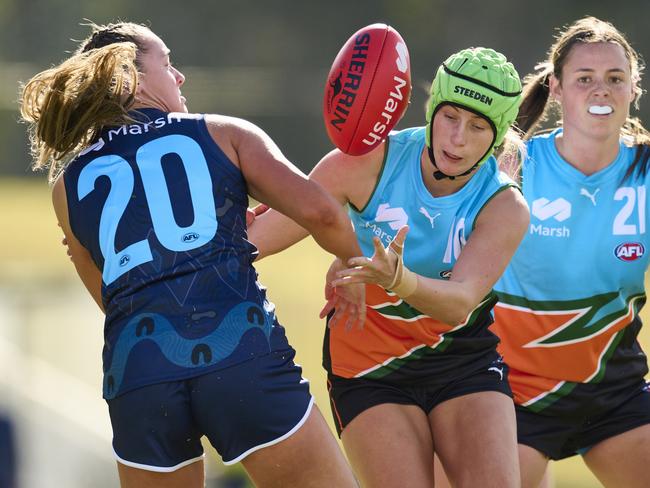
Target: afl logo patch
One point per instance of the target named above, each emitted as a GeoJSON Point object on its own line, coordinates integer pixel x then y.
{"type": "Point", "coordinates": [190, 237]}
{"type": "Point", "coordinates": [629, 251]}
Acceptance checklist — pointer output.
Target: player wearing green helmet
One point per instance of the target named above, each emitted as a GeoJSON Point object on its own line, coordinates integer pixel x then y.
{"type": "Point", "coordinates": [425, 366]}
{"type": "Point", "coordinates": [481, 81]}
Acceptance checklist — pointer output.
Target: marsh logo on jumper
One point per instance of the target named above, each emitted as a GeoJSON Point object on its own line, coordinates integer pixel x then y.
{"type": "Point", "coordinates": [396, 217]}
{"type": "Point", "coordinates": [558, 209]}
{"type": "Point", "coordinates": [93, 147]}
{"type": "Point", "coordinates": [544, 209]}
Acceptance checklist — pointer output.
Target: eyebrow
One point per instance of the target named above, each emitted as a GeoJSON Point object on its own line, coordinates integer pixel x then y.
{"type": "Point", "coordinates": [474, 116]}
{"type": "Point", "coordinates": [591, 70]}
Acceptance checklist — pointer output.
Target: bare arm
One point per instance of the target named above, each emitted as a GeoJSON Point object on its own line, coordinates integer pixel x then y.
{"type": "Point", "coordinates": [499, 230]}
{"type": "Point", "coordinates": [273, 232]}
{"type": "Point", "coordinates": [349, 179]}
{"type": "Point", "coordinates": [90, 275]}
{"type": "Point", "coordinates": [273, 180]}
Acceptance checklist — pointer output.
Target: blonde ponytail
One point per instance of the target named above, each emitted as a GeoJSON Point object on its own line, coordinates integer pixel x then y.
{"type": "Point", "coordinates": [67, 106]}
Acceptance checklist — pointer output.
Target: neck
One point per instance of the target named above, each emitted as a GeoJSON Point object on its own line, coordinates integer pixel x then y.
{"type": "Point", "coordinates": [588, 155]}
{"type": "Point", "coordinates": [442, 187]}
{"type": "Point", "coordinates": [144, 104]}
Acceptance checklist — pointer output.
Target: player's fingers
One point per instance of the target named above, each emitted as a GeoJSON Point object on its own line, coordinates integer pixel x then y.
{"type": "Point", "coordinates": [327, 308]}
{"type": "Point", "coordinates": [250, 217]}
{"type": "Point", "coordinates": [358, 261]}
{"type": "Point", "coordinates": [260, 209]}
{"type": "Point", "coordinates": [340, 307]}
{"type": "Point", "coordinates": [397, 244]}
{"type": "Point", "coordinates": [379, 247]}
{"type": "Point", "coordinates": [349, 280]}
{"type": "Point", "coordinates": [361, 321]}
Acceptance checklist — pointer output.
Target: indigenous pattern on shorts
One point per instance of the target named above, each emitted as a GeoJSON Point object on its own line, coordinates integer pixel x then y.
{"type": "Point", "coordinates": [570, 299]}
{"type": "Point", "coordinates": [161, 209]}
{"type": "Point", "coordinates": [397, 341]}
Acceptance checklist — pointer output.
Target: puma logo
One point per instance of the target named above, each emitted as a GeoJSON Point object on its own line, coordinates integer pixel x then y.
{"type": "Point", "coordinates": [497, 370]}
{"type": "Point", "coordinates": [590, 196]}
{"type": "Point", "coordinates": [424, 212]}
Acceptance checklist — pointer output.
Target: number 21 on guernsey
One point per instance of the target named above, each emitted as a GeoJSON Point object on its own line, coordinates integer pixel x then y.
{"type": "Point", "coordinates": [625, 222]}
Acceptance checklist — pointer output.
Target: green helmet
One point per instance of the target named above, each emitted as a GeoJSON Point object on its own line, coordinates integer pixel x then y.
{"type": "Point", "coordinates": [482, 81]}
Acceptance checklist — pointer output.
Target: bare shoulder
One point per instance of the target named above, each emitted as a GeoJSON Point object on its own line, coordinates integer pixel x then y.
{"type": "Point", "coordinates": [229, 132]}
{"type": "Point", "coordinates": [228, 123]}
{"type": "Point", "coordinates": [59, 198]}
{"type": "Point", "coordinates": [355, 177]}
{"type": "Point", "coordinates": [508, 209]}
{"type": "Point", "coordinates": [60, 204]}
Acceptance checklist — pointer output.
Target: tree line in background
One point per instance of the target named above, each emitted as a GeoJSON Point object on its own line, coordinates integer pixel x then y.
{"type": "Point", "coordinates": [267, 60]}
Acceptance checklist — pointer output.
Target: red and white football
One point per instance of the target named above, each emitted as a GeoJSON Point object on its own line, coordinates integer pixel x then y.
{"type": "Point", "coordinates": [368, 89]}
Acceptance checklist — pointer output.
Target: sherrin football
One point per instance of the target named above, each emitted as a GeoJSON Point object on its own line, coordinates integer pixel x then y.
{"type": "Point", "coordinates": [368, 89]}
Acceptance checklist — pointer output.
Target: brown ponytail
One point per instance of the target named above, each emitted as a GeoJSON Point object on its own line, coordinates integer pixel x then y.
{"type": "Point", "coordinates": [639, 136]}
{"type": "Point", "coordinates": [533, 108]}
{"type": "Point", "coordinates": [67, 106]}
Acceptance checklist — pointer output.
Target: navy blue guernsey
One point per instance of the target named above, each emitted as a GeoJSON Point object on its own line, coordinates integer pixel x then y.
{"type": "Point", "coordinates": [161, 209]}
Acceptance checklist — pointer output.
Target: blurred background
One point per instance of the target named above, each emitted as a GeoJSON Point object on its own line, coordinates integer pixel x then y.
{"type": "Point", "coordinates": [262, 60]}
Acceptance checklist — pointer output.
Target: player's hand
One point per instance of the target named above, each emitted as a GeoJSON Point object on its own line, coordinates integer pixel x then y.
{"type": "Point", "coordinates": [380, 269]}
{"type": "Point", "coordinates": [252, 213]}
{"type": "Point", "coordinates": [347, 301]}
{"type": "Point", "coordinates": [64, 241]}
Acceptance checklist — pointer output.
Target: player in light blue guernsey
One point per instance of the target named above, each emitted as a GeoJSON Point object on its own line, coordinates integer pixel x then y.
{"type": "Point", "coordinates": [568, 315]}
{"type": "Point", "coordinates": [424, 367]}
{"type": "Point", "coordinates": [153, 201]}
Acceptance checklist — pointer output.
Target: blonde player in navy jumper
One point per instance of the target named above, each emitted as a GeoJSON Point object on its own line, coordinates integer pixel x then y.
{"type": "Point", "coordinates": [152, 201]}
{"type": "Point", "coordinates": [569, 302]}
{"type": "Point", "coordinates": [423, 374]}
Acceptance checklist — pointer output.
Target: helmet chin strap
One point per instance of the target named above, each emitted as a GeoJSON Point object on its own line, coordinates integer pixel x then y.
{"type": "Point", "coordinates": [439, 175]}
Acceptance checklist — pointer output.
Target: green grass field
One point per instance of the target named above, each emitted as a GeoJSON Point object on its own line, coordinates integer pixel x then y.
{"type": "Point", "coordinates": [31, 254]}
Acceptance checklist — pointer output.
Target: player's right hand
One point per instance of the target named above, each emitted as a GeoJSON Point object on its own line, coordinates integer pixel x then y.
{"type": "Point", "coordinates": [251, 213]}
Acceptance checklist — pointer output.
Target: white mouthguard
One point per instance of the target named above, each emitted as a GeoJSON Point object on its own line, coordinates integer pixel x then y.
{"type": "Point", "coordinates": [600, 109]}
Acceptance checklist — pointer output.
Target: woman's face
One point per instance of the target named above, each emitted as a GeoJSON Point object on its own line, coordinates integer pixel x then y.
{"type": "Point", "coordinates": [159, 84]}
{"type": "Point", "coordinates": [460, 138]}
{"type": "Point", "coordinates": [596, 89]}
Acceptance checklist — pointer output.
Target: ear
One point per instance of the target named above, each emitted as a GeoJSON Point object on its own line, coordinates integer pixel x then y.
{"type": "Point", "coordinates": [636, 90]}
{"type": "Point", "coordinates": [140, 86]}
{"type": "Point", "coordinates": [554, 87]}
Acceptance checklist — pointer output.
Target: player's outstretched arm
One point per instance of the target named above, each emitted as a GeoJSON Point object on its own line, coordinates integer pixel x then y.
{"type": "Point", "coordinates": [275, 181]}
{"type": "Point", "coordinates": [499, 230]}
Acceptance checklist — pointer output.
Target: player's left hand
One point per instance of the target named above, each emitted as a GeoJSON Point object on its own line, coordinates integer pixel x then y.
{"type": "Point", "coordinates": [347, 300]}
{"type": "Point", "coordinates": [380, 269]}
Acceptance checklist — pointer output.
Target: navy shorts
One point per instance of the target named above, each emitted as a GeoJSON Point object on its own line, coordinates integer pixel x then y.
{"type": "Point", "coordinates": [350, 397]}
{"type": "Point", "coordinates": [240, 409]}
{"type": "Point", "coordinates": [559, 437]}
